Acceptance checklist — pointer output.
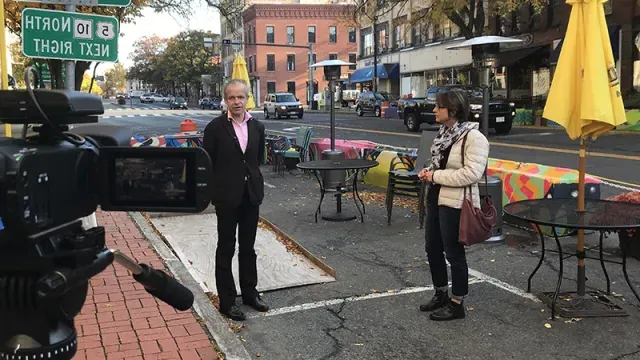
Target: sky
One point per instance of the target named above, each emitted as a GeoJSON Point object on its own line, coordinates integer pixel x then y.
{"type": "Point", "coordinates": [164, 25]}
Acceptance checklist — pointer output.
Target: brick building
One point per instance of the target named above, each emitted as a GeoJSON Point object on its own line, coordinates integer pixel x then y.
{"type": "Point", "coordinates": [282, 69]}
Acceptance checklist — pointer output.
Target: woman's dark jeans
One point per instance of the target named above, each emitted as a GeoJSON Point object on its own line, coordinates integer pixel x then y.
{"type": "Point", "coordinates": [441, 238]}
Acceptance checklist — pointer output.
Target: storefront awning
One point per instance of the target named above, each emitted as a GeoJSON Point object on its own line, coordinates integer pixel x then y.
{"type": "Point", "coordinates": [508, 58]}
{"type": "Point", "coordinates": [385, 71]}
{"type": "Point", "coordinates": [614, 37]}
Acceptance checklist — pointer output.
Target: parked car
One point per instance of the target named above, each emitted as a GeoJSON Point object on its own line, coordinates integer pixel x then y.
{"type": "Point", "coordinates": [370, 102]}
{"type": "Point", "coordinates": [282, 104]}
{"type": "Point", "coordinates": [147, 98]}
{"type": "Point", "coordinates": [178, 103]}
{"type": "Point", "coordinates": [416, 111]}
{"type": "Point", "coordinates": [158, 97]}
{"type": "Point", "coordinates": [211, 104]}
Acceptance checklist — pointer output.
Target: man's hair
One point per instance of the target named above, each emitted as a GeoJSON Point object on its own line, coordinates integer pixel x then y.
{"type": "Point", "coordinates": [456, 101]}
{"type": "Point", "coordinates": [236, 82]}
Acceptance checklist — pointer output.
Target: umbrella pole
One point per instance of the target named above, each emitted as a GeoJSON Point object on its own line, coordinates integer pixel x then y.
{"type": "Point", "coordinates": [582, 169]}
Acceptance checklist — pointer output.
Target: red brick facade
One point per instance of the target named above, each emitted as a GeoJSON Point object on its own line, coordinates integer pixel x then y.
{"type": "Point", "coordinates": [258, 19]}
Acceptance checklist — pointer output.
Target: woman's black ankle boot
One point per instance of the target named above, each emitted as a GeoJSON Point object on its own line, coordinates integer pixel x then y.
{"type": "Point", "coordinates": [439, 299]}
{"type": "Point", "coordinates": [452, 311]}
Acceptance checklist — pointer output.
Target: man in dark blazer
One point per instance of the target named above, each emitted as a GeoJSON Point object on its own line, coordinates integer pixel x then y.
{"type": "Point", "coordinates": [235, 142]}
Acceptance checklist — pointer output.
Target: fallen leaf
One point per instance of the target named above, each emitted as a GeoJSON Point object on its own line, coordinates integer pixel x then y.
{"type": "Point", "coordinates": [390, 291]}
{"type": "Point", "coordinates": [295, 264]}
{"type": "Point", "coordinates": [493, 260]}
{"type": "Point", "coordinates": [547, 325]}
{"type": "Point", "coordinates": [426, 262]}
{"type": "Point", "coordinates": [261, 294]}
{"type": "Point", "coordinates": [409, 271]}
{"type": "Point", "coordinates": [243, 339]}
{"type": "Point", "coordinates": [358, 344]}
{"type": "Point", "coordinates": [541, 310]}
{"type": "Point", "coordinates": [258, 354]}
{"type": "Point", "coordinates": [190, 262]}
{"type": "Point", "coordinates": [618, 295]}
{"type": "Point", "coordinates": [469, 308]}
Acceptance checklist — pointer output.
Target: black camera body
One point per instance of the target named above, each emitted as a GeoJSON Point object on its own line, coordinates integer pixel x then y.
{"type": "Point", "coordinates": [49, 181]}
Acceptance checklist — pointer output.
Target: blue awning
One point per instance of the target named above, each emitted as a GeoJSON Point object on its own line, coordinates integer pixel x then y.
{"type": "Point", "coordinates": [385, 71]}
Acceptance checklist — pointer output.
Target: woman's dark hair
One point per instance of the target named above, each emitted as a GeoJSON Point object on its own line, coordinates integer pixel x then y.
{"type": "Point", "coordinates": [456, 101]}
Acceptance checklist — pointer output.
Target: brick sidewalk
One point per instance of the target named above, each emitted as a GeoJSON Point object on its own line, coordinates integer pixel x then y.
{"type": "Point", "coordinates": [120, 320]}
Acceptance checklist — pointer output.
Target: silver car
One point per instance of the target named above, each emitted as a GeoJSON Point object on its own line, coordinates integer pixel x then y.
{"type": "Point", "coordinates": [147, 98]}
{"type": "Point", "coordinates": [282, 105]}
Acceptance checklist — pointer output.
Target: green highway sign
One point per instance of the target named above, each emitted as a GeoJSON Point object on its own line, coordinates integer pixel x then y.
{"type": "Point", "coordinates": [118, 3]}
{"type": "Point", "coordinates": [69, 36]}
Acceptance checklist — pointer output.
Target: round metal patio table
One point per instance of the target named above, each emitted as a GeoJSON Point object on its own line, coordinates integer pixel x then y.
{"type": "Point", "coordinates": [345, 164]}
{"type": "Point", "coordinates": [599, 215]}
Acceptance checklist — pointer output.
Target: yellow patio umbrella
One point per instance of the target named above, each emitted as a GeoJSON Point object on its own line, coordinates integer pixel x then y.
{"type": "Point", "coordinates": [585, 95]}
{"type": "Point", "coordinates": [240, 72]}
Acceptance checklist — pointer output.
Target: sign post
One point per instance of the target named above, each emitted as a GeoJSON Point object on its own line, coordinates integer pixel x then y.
{"type": "Point", "coordinates": [69, 36]}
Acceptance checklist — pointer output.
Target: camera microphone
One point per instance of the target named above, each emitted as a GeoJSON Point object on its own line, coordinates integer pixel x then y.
{"type": "Point", "coordinates": [158, 283]}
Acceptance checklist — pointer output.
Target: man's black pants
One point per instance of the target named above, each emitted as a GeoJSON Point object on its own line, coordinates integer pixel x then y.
{"type": "Point", "coordinates": [245, 218]}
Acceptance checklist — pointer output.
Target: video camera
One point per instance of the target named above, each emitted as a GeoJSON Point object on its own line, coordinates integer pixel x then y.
{"type": "Point", "coordinates": [48, 181]}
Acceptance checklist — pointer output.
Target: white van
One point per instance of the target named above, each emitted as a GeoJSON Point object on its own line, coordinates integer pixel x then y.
{"type": "Point", "coordinates": [135, 94]}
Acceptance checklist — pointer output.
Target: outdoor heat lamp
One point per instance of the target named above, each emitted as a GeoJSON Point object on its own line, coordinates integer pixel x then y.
{"type": "Point", "coordinates": [484, 51]}
{"type": "Point", "coordinates": [332, 74]}
{"type": "Point", "coordinates": [331, 68]}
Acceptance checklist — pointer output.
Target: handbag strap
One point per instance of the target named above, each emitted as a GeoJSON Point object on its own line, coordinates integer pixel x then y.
{"type": "Point", "coordinates": [486, 181]}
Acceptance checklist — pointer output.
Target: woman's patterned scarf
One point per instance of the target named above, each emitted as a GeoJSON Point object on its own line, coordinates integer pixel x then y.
{"type": "Point", "coordinates": [447, 136]}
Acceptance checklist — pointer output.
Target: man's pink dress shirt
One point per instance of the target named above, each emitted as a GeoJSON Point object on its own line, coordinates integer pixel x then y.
{"type": "Point", "coordinates": [242, 132]}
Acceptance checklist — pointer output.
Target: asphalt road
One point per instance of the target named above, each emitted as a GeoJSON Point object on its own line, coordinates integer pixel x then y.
{"type": "Point", "coordinates": [371, 310]}
{"type": "Point", "coordinates": [615, 156]}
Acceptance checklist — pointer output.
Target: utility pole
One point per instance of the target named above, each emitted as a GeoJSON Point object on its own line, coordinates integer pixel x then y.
{"type": "Point", "coordinates": [375, 45]}
{"type": "Point", "coordinates": [311, 87]}
{"type": "Point", "coordinates": [70, 64]}
{"type": "Point", "coordinates": [4, 64]}
{"type": "Point", "coordinates": [375, 54]}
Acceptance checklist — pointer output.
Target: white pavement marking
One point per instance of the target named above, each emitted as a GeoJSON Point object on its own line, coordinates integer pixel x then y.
{"type": "Point", "coordinates": [525, 135]}
{"type": "Point", "coordinates": [269, 185]}
{"type": "Point", "coordinates": [325, 303]}
{"type": "Point", "coordinates": [503, 285]}
{"type": "Point", "coordinates": [118, 116]}
{"type": "Point", "coordinates": [292, 129]}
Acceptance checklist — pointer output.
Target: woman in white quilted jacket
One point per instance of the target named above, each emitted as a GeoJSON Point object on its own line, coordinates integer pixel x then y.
{"type": "Point", "coordinates": [448, 178]}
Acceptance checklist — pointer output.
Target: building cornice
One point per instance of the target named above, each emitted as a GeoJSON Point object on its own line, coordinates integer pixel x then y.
{"type": "Point", "coordinates": [282, 11]}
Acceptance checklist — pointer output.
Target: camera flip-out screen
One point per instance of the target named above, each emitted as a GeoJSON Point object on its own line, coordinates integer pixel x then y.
{"type": "Point", "coordinates": [155, 179]}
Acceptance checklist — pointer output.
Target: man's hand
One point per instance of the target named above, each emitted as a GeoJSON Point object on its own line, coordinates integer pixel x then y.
{"type": "Point", "coordinates": [425, 175]}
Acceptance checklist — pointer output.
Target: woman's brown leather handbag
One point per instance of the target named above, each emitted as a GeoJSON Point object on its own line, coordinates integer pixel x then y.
{"type": "Point", "coordinates": [476, 224]}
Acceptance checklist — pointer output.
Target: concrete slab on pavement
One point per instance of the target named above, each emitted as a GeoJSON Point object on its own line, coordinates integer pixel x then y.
{"type": "Point", "coordinates": [194, 239]}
